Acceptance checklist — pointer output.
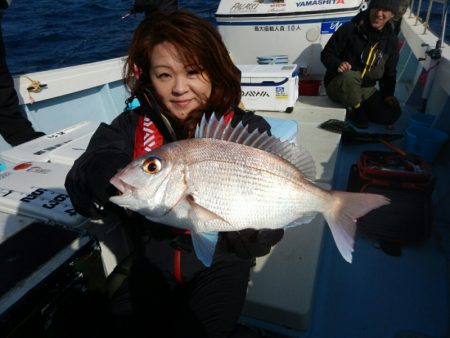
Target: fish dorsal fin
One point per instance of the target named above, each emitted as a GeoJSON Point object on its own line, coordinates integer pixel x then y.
{"type": "Point", "coordinates": [295, 154]}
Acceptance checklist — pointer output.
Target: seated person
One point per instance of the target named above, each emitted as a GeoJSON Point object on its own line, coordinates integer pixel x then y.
{"type": "Point", "coordinates": [360, 54]}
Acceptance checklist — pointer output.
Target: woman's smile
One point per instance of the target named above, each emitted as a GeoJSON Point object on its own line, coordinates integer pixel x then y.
{"type": "Point", "coordinates": [182, 103]}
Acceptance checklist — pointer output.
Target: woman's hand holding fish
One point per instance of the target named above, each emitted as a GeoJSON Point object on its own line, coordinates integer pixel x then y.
{"type": "Point", "coordinates": [249, 243]}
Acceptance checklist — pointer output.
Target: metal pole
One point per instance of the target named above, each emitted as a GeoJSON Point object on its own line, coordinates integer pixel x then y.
{"type": "Point", "coordinates": [426, 24]}
{"type": "Point", "coordinates": [419, 7]}
{"type": "Point", "coordinates": [411, 5]}
{"type": "Point", "coordinates": [443, 24]}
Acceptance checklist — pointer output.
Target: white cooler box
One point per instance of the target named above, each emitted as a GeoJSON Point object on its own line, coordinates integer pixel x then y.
{"type": "Point", "coordinates": [32, 177]}
{"type": "Point", "coordinates": [63, 146]}
{"type": "Point", "coordinates": [269, 87]}
{"type": "Point", "coordinates": [36, 190]}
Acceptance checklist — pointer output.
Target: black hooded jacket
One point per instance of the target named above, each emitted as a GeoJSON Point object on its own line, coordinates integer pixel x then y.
{"type": "Point", "coordinates": [352, 42]}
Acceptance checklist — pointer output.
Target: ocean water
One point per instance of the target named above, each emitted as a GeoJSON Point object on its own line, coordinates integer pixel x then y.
{"type": "Point", "coordinates": [49, 34]}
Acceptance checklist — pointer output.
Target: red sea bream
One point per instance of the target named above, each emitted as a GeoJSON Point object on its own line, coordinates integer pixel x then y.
{"type": "Point", "coordinates": [227, 179]}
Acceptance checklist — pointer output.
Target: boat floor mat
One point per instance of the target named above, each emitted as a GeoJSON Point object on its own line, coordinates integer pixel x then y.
{"type": "Point", "coordinates": [350, 133]}
{"type": "Point", "coordinates": [407, 219]}
{"type": "Point", "coordinates": [391, 248]}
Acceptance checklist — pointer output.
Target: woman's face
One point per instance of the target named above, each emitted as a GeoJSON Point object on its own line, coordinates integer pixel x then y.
{"type": "Point", "coordinates": [182, 88]}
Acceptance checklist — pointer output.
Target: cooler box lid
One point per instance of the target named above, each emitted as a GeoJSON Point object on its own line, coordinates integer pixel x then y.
{"type": "Point", "coordinates": [65, 145]}
{"type": "Point", "coordinates": [36, 189]}
{"type": "Point", "coordinates": [268, 71]}
{"type": "Point", "coordinates": [69, 152]}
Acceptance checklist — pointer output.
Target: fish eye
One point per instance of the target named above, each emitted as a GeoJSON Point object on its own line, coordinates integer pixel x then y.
{"type": "Point", "coordinates": [151, 165]}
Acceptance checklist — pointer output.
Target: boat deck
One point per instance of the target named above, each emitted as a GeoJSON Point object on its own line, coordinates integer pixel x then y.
{"type": "Point", "coordinates": [304, 288]}
{"type": "Point", "coordinates": [378, 295]}
{"type": "Point", "coordinates": [282, 283]}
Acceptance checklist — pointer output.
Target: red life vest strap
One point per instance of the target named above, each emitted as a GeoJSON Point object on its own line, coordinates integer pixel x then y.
{"type": "Point", "coordinates": [177, 266]}
{"type": "Point", "coordinates": [177, 257]}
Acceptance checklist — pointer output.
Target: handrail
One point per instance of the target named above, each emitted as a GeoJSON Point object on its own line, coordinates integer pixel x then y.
{"type": "Point", "coordinates": [425, 23]}
{"type": "Point", "coordinates": [443, 24]}
{"type": "Point", "coordinates": [427, 20]}
{"type": "Point", "coordinates": [418, 12]}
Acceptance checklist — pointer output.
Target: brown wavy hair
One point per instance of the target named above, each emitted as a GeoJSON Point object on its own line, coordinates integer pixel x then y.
{"type": "Point", "coordinates": [200, 45]}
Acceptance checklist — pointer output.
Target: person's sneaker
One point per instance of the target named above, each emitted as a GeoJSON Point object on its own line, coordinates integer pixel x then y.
{"type": "Point", "coordinates": [358, 117]}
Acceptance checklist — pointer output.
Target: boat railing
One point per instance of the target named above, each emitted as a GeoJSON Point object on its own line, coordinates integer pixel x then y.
{"type": "Point", "coordinates": [416, 12]}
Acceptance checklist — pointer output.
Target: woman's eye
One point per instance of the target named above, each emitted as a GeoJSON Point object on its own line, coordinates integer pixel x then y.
{"type": "Point", "coordinates": [193, 72]}
{"type": "Point", "coordinates": [163, 76]}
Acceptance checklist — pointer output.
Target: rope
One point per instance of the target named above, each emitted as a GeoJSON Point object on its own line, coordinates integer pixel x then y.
{"type": "Point", "coordinates": [35, 86]}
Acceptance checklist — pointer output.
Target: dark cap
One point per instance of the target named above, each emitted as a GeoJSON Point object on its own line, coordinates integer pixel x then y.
{"type": "Point", "coordinates": [392, 5]}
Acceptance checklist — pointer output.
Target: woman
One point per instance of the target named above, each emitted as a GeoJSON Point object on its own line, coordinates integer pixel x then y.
{"type": "Point", "coordinates": [177, 70]}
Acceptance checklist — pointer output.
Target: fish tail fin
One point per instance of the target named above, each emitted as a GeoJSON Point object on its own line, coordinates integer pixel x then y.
{"type": "Point", "coordinates": [342, 216]}
{"type": "Point", "coordinates": [204, 245]}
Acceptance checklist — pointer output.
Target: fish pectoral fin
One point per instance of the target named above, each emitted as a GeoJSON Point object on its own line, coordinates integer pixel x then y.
{"type": "Point", "coordinates": [204, 234]}
{"type": "Point", "coordinates": [205, 245]}
{"type": "Point", "coordinates": [203, 219]}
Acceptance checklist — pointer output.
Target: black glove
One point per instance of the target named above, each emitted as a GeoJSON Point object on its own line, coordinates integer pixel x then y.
{"type": "Point", "coordinates": [99, 175]}
{"type": "Point", "coordinates": [249, 243]}
{"type": "Point", "coordinates": [88, 183]}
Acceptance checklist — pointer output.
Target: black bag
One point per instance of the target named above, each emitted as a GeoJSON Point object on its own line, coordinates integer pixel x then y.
{"type": "Point", "coordinates": [408, 183]}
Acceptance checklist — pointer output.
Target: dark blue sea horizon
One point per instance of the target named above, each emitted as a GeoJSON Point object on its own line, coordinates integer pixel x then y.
{"type": "Point", "coordinates": [50, 34]}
